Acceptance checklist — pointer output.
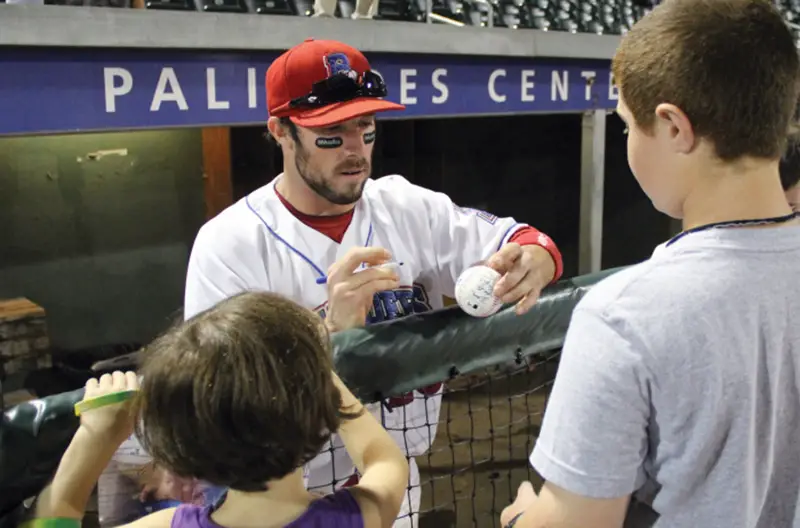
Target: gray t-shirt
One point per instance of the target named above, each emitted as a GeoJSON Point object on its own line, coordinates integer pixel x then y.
{"type": "Point", "coordinates": [680, 381]}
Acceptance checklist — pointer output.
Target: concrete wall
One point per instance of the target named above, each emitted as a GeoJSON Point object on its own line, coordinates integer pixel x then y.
{"type": "Point", "coordinates": [100, 241]}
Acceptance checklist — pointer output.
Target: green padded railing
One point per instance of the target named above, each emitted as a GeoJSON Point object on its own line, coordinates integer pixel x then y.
{"type": "Point", "coordinates": [376, 361]}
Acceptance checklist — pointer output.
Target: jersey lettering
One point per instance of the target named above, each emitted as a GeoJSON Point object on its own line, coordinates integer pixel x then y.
{"type": "Point", "coordinates": [394, 304]}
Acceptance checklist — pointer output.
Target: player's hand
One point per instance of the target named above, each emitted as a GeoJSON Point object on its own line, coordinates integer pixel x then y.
{"type": "Point", "coordinates": [525, 271]}
{"type": "Point", "coordinates": [114, 421]}
{"type": "Point", "coordinates": [350, 292]}
{"type": "Point", "coordinates": [526, 495]}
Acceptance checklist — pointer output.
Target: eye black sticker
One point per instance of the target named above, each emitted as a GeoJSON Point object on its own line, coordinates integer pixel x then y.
{"type": "Point", "coordinates": [369, 137]}
{"type": "Point", "coordinates": [329, 142]}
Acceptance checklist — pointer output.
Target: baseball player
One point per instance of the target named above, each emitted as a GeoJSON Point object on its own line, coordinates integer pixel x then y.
{"type": "Point", "coordinates": [317, 232]}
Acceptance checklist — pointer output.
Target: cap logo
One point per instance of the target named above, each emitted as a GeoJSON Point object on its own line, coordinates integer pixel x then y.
{"type": "Point", "coordinates": [338, 63]}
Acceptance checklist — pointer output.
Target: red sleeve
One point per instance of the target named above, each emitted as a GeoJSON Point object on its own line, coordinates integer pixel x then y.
{"type": "Point", "coordinates": [530, 236]}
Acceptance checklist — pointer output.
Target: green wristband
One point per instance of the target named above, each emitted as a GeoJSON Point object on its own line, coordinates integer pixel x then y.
{"type": "Point", "coordinates": [52, 522]}
{"type": "Point", "coordinates": [102, 401]}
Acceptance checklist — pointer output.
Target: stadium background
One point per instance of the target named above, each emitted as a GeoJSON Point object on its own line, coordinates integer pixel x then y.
{"type": "Point", "coordinates": [102, 193]}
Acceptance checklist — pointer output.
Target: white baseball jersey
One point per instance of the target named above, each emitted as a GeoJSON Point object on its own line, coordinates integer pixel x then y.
{"type": "Point", "coordinates": [258, 244]}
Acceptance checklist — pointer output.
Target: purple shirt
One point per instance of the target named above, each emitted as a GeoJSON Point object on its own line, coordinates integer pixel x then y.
{"type": "Point", "coordinates": [339, 510]}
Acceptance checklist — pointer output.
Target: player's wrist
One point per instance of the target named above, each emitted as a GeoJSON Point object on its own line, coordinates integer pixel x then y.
{"type": "Point", "coordinates": [546, 264]}
{"type": "Point", "coordinates": [529, 237]}
{"type": "Point", "coordinates": [335, 324]}
{"type": "Point", "coordinates": [330, 326]}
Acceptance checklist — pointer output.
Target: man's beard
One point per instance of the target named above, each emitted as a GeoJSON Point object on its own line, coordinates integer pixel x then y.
{"type": "Point", "coordinates": [316, 182]}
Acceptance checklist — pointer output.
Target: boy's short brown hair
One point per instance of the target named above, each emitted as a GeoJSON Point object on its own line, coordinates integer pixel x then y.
{"type": "Point", "coordinates": [730, 65]}
{"type": "Point", "coordinates": [240, 394]}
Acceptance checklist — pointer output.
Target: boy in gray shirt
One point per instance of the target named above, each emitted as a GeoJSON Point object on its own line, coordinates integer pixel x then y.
{"type": "Point", "coordinates": [679, 382]}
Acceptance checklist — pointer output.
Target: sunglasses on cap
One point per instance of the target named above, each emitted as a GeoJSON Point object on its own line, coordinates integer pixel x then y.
{"type": "Point", "coordinates": [342, 87]}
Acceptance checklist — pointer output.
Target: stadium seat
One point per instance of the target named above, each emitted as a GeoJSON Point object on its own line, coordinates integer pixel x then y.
{"type": "Point", "coordinates": [224, 6]}
{"type": "Point", "coordinates": [617, 16]}
{"type": "Point", "coordinates": [589, 20]}
{"type": "Point", "coordinates": [452, 9]}
{"type": "Point", "coordinates": [533, 15]}
{"type": "Point", "coordinates": [81, 3]}
{"type": "Point", "coordinates": [609, 20]}
{"type": "Point", "coordinates": [403, 10]}
{"type": "Point", "coordinates": [301, 7]}
{"type": "Point", "coordinates": [508, 13]}
{"type": "Point", "coordinates": [612, 17]}
{"type": "Point", "coordinates": [174, 5]}
{"type": "Point", "coordinates": [789, 14]}
{"type": "Point", "coordinates": [627, 16]}
{"type": "Point", "coordinates": [274, 7]}
{"type": "Point", "coordinates": [345, 8]}
{"type": "Point", "coordinates": [563, 16]}
{"type": "Point", "coordinates": [477, 13]}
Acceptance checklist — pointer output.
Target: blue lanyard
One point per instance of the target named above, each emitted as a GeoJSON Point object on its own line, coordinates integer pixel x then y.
{"type": "Point", "coordinates": [294, 249]}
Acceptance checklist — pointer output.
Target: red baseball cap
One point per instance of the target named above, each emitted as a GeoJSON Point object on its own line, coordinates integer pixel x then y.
{"type": "Point", "coordinates": [293, 74]}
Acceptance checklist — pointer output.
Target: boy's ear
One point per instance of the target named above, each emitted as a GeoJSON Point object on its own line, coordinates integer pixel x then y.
{"type": "Point", "coordinates": [678, 126]}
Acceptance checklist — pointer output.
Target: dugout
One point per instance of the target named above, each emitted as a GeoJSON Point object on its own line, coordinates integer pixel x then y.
{"type": "Point", "coordinates": [121, 132]}
{"type": "Point", "coordinates": [106, 172]}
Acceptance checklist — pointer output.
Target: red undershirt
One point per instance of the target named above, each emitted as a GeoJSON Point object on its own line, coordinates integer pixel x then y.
{"type": "Point", "coordinates": [332, 227]}
{"type": "Point", "coordinates": [335, 226]}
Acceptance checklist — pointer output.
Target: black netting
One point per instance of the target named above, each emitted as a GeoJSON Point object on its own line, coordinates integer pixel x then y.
{"type": "Point", "coordinates": [487, 425]}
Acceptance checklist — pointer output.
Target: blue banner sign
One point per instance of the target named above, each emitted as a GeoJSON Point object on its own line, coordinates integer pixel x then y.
{"type": "Point", "coordinates": [70, 90]}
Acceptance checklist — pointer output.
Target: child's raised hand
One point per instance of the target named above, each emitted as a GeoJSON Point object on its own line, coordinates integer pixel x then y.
{"type": "Point", "coordinates": [106, 405]}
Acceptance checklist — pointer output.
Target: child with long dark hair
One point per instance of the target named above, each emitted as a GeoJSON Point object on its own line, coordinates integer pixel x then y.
{"type": "Point", "coordinates": [240, 396]}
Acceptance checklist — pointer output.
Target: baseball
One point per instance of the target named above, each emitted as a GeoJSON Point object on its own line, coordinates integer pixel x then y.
{"type": "Point", "coordinates": [474, 291]}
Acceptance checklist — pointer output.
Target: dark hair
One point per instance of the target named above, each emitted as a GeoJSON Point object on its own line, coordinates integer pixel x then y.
{"type": "Point", "coordinates": [240, 394]}
{"type": "Point", "coordinates": [286, 123]}
{"type": "Point", "coordinates": [790, 165]}
{"type": "Point", "coordinates": [730, 65]}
